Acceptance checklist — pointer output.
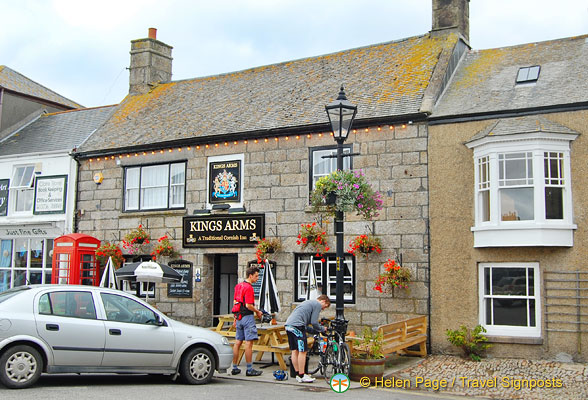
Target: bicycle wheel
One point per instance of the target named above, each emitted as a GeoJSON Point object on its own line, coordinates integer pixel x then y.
{"type": "Point", "coordinates": [344, 358]}
{"type": "Point", "coordinates": [313, 359]}
{"type": "Point", "coordinates": [331, 362]}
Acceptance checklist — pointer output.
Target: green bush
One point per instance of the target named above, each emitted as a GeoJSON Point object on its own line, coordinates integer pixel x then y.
{"type": "Point", "coordinates": [473, 343]}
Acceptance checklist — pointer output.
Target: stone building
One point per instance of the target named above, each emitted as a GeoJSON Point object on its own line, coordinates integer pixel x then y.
{"type": "Point", "coordinates": [267, 126]}
{"type": "Point", "coordinates": [507, 170]}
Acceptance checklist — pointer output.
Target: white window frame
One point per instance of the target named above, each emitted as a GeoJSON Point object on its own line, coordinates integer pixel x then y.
{"type": "Point", "coordinates": [21, 187]}
{"type": "Point", "coordinates": [331, 163]}
{"type": "Point", "coordinates": [511, 330]}
{"type": "Point", "coordinates": [134, 189]}
{"type": "Point", "coordinates": [323, 275]}
{"type": "Point", "coordinates": [539, 231]}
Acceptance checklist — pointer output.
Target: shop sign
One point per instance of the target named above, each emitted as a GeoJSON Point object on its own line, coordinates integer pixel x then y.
{"type": "Point", "coordinates": [223, 230]}
{"type": "Point", "coordinates": [4, 185]}
{"type": "Point", "coordinates": [224, 182]}
{"type": "Point", "coordinates": [50, 194]}
{"type": "Point", "coordinates": [7, 232]}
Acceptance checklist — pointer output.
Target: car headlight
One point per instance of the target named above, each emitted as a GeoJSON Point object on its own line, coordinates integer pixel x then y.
{"type": "Point", "coordinates": [225, 341]}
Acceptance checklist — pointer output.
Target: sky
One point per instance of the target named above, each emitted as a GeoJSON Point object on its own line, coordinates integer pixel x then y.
{"type": "Point", "coordinates": [80, 48]}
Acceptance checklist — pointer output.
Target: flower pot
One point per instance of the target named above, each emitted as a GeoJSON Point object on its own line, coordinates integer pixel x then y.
{"type": "Point", "coordinates": [371, 369]}
{"type": "Point", "coordinates": [330, 198]}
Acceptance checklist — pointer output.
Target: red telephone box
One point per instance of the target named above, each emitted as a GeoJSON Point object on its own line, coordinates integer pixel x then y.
{"type": "Point", "coordinates": [74, 260]}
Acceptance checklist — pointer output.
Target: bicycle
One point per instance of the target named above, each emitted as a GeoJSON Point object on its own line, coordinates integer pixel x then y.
{"type": "Point", "coordinates": [333, 353]}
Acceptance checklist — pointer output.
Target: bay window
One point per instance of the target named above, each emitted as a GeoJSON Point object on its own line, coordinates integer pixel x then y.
{"type": "Point", "coordinates": [523, 191]}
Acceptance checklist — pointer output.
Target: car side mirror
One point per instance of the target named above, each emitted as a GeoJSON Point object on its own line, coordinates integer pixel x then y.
{"type": "Point", "coordinates": [159, 321]}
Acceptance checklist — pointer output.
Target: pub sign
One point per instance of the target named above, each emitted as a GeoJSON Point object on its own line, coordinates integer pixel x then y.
{"type": "Point", "coordinates": [239, 230]}
{"type": "Point", "coordinates": [224, 184]}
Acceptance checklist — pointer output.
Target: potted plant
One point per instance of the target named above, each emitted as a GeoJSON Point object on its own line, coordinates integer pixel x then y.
{"type": "Point", "coordinates": [164, 248]}
{"type": "Point", "coordinates": [312, 237]}
{"type": "Point", "coordinates": [136, 238]}
{"type": "Point", "coordinates": [394, 276]}
{"type": "Point", "coordinates": [364, 245]}
{"type": "Point", "coordinates": [267, 246]}
{"type": "Point", "coordinates": [352, 193]}
{"type": "Point", "coordinates": [107, 250]}
{"type": "Point", "coordinates": [367, 358]}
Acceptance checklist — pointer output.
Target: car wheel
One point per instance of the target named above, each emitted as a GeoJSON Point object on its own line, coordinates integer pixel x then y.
{"type": "Point", "coordinates": [197, 366]}
{"type": "Point", "coordinates": [20, 367]}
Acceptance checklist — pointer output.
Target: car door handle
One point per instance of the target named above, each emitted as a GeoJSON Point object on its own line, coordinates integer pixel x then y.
{"type": "Point", "coordinates": [52, 327]}
{"type": "Point", "coordinates": [115, 332]}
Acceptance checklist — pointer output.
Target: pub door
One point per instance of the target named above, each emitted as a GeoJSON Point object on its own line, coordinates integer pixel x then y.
{"type": "Point", "coordinates": [225, 278]}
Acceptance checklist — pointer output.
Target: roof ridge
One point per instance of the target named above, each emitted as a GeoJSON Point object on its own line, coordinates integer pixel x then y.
{"type": "Point", "coordinates": [577, 37]}
{"type": "Point", "coordinates": [80, 109]}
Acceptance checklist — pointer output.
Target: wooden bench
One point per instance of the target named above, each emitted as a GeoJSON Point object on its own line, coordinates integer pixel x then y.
{"type": "Point", "coordinates": [398, 336]}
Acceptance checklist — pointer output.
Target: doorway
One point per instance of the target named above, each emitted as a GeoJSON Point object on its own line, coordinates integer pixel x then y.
{"type": "Point", "coordinates": [226, 276]}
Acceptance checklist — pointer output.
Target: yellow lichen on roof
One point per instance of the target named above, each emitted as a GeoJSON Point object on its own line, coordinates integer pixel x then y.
{"type": "Point", "coordinates": [135, 103]}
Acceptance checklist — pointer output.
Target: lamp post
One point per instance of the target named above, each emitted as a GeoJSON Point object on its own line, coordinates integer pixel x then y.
{"type": "Point", "coordinates": [341, 114]}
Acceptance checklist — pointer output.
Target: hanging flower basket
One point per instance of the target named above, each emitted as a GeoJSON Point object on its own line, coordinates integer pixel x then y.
{"type": "Point", "coordinates": [267, 246]}
{"type": "Point", "coordinates": [352, 193]}
{"type": "Point", "coordinates": [164, 248]}
{"type": "Point", "coordinates": [136, 238]}
{"type": "Point", "coordinates": [312, 237]}
{"type": "Point", "coordinates": [394, 276]}
{"type": "Point", "coordinates": [365, 245]}
{"type": "Point", "coordinates": [107, 250]}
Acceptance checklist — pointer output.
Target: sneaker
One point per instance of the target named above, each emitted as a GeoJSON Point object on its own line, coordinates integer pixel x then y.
{"type": "Point", "coordinates": [298, 379]}
{"type": "Point", "coordinates": [253, 372]}
{"type": "Point", "coordinates": [307, 379]}
{"type": "Point", "coordinates": [235, 371]}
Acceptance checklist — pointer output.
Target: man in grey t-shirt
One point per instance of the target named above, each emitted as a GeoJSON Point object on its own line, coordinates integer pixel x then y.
{"type": "Point", "coordinates": [306, 313]}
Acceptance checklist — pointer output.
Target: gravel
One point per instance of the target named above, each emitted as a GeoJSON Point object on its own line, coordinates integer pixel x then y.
{"type": "Point", "coordinates": [501, 378]}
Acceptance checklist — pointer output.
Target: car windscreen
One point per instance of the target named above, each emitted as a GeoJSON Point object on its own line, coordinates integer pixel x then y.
{"type": "Point", "coordinates": [11, 293]}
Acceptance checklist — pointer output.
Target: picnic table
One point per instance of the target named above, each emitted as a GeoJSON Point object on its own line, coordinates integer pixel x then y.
{"type": "Point", "coordinates": [272, 339]}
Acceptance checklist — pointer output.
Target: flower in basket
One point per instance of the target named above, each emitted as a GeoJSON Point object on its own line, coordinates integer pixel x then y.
{"type": "Point", "coordinates": [266, 246]}
{"type": "Point", "coordinates": [311, 236]}
{"type": "Point", "coordinates": [369, 346]}
{"type": "Point", "coordinates": [364, 245]}
{"type": "Point", "coordinates": [135, 239]}
{"type": "Point", "coordinates": [352, 192]}
{"type": "Point", "coordinates": [107, 250]}
{"type": "Point", "coordinates": [164, 248]}
{"type": "Point", "coordinates": [393, 276]}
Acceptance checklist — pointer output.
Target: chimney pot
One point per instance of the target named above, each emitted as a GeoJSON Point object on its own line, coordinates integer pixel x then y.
{"type": "Point", "coordinates": [152, 33]}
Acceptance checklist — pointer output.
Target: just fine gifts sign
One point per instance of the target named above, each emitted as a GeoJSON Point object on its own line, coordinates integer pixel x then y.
{"type": "Point", "coordinates": [223, 230]}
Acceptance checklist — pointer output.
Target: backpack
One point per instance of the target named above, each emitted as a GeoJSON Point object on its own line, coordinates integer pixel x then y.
{"type": "Point", "coordinates": [239, 309]}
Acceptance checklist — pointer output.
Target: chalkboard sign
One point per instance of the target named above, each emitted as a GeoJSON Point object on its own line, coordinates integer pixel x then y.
{"type": "Point", "coordinates": [183, 288]}
{"type": "Point", "coordinates": [257, 285]}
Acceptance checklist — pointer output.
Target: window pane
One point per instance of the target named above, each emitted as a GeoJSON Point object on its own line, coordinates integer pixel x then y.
{"type": "Point", "coordinates": [4, 279]}
{"type": "Point", "coordinates": [509, 281]}
{"type": "Point", "coordinates": [177, 182]}
{"type": "Point", "coordinates": [510, 312]}
{"type": "Point", "coordinates": [533, 73]}
{"type": "Point", "coordinates": [122, 309]}
{"type": "Point", "coordinates": [49, 253]}
{"type": "Point", "coordinates": [23, 176]}
{"type": "Point", "coordinates": [324, 166]}
{"type": "Point", "coordinates": [553, 202]}
{"type": "Point", "coordinates": [488, 303]}
{"type": "Point", "coordinates": [517, 204]}
{"type": "Point", "coordinates": [23, 200]}
{"type": "Point", "coordinates": [486, 281]}
{"type": "Point", "coordinates": [154, 186]}
{"type": "Point", "coordinates": [21, 249]}
{"type": "Point", "coordinates": [20, 277]}
{"type": "Point", "coordinates": [132, 189]}
{"type": "Point", "coordinates": [532, 313]}
{"type": "Point", "coordinates": [5, 253]}
{"type": "Point", "coordinates": [485, 205]}
{"type": "Point", "coordinates": [36, 253]}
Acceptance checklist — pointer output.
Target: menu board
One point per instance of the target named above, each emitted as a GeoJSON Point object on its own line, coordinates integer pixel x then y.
{"type": "Point", "coordinates": [183, 288]}
{"type": "Point", "coordinates": [257, 285]}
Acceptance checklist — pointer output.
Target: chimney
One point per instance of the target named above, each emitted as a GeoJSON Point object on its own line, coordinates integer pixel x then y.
{"type": "Point", "coordinates": [151, 63]}
{"type": "Point", "coordinates": [452, 15]}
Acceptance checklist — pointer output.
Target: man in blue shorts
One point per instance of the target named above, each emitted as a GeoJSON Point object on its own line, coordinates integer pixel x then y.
{"type": "Point", "coordinates": [245, 321]}
{"type": "Point", "coordinates": [306, 313]}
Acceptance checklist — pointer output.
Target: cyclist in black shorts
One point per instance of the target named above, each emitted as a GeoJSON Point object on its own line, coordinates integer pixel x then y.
{"type": "Point", "coordinates": [306, 313]}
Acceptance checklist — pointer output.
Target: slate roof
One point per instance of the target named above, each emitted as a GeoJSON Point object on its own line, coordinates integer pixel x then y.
{"type": "Point", "coordinates": [522, 125]}
{"type": "Point", "coordinates": [485, 79]}
{"type": "Point", "coordinates": [64, 130]}
{"type": "Point", "coordinates": [384, 80]}
{"type": "Point", "coordinates": [17, 82]}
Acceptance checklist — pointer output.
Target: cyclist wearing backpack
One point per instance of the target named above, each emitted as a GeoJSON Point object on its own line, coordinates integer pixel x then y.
{"type": "Point", "coordinates": [244, 308]}
{"type": "Point", "coordinates": [306, 313]}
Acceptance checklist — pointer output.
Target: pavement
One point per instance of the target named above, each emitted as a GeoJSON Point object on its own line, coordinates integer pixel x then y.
{"type": "Point", "coordinates": [491, 378]}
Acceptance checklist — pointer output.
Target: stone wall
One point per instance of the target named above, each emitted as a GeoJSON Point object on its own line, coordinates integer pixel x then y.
{"type": "Point", "coordinates": [276, 175]}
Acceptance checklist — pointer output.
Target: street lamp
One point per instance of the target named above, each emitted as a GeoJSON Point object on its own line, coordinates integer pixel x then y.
{"type": "Point", "coordinates": [341, 114]}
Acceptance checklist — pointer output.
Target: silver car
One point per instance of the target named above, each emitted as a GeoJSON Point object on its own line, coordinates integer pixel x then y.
{"type": "Point", "coordinates": [86, 329]}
